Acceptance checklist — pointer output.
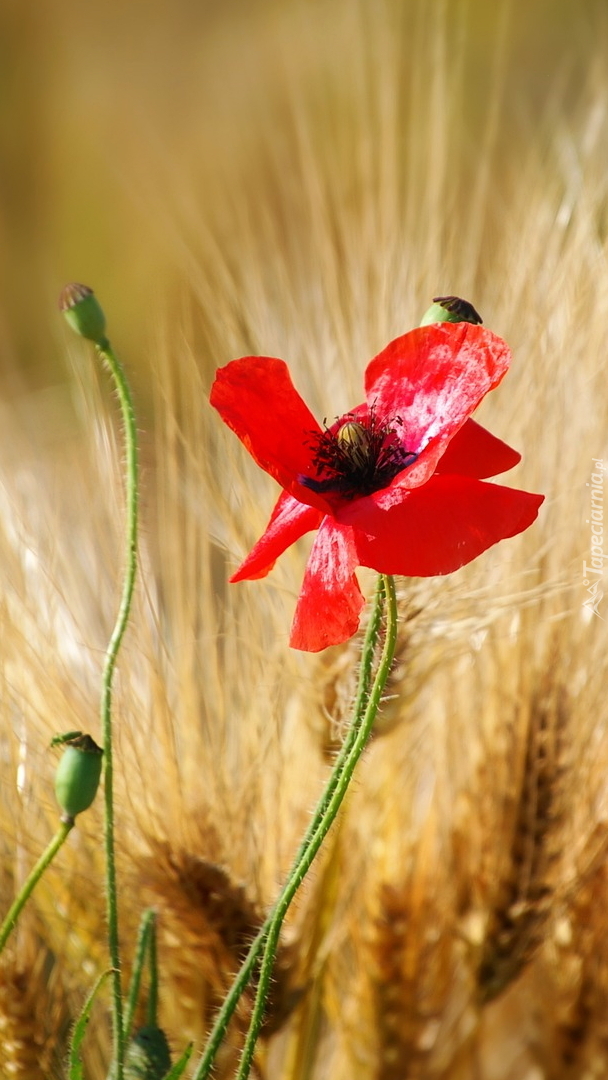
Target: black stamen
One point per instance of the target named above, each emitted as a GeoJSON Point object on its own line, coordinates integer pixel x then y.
{"type": "Point", "coordinates": [360, 456]}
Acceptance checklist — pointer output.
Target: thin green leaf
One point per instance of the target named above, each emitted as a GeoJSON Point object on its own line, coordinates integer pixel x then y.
{"type": "Point", "coordinates": [146, 928]}
{"type": "Point", "coordinates": [75, 1069]}
{"type": "Point", "coordinates": [180, 1065]}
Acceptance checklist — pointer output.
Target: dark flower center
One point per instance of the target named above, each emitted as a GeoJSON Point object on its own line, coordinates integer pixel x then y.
{"type": "Point", "coordinates": [358, 456]}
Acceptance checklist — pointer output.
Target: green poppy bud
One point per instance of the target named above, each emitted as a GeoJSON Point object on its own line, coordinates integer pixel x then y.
{"type": "Point", "coordinates": [77, 776]}
{"type": "Point", "coordinates": [450, 309]}
{"type": "Point", "coordinates": [147, 1056]}
{"type": "Point", "coordinates": [83, 312]}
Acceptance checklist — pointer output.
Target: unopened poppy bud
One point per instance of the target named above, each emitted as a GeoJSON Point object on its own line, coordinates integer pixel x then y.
{"type": "Point", "coordinates": [353, 438]}
{"type": "Point", "coordinates": [83, 312]}
{"type": "Point", "coordinates": [147, 1056]}
{"type": "Point", "coordinates": [78, 774]}
{"type": "Point", "coordinates": [450, 309]}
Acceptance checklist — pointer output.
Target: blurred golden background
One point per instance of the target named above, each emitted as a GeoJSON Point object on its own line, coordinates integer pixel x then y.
{"type": "Point", "coordinates": [298, 179]}
{"type": "Point", "coordinates": [127, 129]}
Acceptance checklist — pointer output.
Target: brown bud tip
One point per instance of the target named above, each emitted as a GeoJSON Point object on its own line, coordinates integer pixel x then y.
{"type": "Point", "coordinates": [450, 309]}
{"type": "Point", "coordinates": [455, 305]}
{"type": "Point", "coordinates": [72, 294]}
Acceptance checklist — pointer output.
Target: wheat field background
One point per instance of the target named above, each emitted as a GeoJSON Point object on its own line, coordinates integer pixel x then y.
{"type": "Point", "coordinates": [299, 179]}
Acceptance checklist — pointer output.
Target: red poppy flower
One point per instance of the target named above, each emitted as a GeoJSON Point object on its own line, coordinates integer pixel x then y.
{"type": "Point", "coordinates": [396, 484]}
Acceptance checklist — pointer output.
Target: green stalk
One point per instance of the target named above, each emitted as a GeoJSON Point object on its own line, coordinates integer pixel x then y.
{"type": "Point", "coordinates": [146, 930]}
{"type": "Point", "coordinates": [34, 877]}
{"type": "Point", "coordinates": [130, 435]}
{"type": "Point", "coordinates": [246, 971]}
{"type": "Point", "coordinates": [82, 311]}
{"type": "Point", "coordinates": [152, 1009]}
{"type": "Point", "coordinates": [328, 817]}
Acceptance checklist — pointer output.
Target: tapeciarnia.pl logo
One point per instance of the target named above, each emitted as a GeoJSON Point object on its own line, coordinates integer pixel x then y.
{"type": "Point", "coordinates": [593, 571]}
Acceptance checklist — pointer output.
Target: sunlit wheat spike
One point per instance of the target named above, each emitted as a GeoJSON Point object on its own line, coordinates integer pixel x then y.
{"type": "Point", "coordinates": [201, 894]}
{"type": "Point", "coordinates": [413, 967]}
{"type": "Point", "coordinates": [198, 902]}
{"type": "Point", "coordinates": [20, 1033]}
{"type": "Point", "coordinates": [337, 672]}
{"type": "Point", "coordinates": [580, 949]}
{"type": "Point", "coordinates": [34, 1021]}
{"type": "Point", "coordinates": [518, 920]}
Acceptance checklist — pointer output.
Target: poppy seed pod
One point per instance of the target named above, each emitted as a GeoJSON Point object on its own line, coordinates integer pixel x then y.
{"type": "Point", "coordinates": [147, 1056]}
{"type": "Point", "coordinates": [450, 309]}
{"type": "Point", "coordinates": [83, 312]}
{"type": "Point", "coordinates": [77, 776]}
{"type": "Point", "coordinates": [354, 439]}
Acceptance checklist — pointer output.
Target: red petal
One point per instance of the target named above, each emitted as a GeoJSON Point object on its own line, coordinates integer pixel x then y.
{"type": "Point", "coordinates": [436, 528]}
{"type": "Point", "coordinates": [330, 600]}
{"type": "Point", "coordinates": [257, 399]}
{"type": "Point", "coordinates": [474, 451]}
{"type": "Point", "coordinates": [289, 521]}
{"type": "Point", "coordinates": [432, 379]}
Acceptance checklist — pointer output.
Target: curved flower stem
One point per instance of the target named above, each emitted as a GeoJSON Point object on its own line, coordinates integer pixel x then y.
{"type": "Point", "coordinates": [30, 884]}
{"type": "Point", "coordinates": [241, 981]}
{"type": "Point", "coordinates": [130, 435]}
{"type": "Point", "coordinates": [329, 816]}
